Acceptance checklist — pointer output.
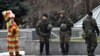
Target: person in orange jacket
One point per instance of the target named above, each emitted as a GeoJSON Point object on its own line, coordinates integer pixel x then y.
{"type": "Point", "coordinates": [12, 34]}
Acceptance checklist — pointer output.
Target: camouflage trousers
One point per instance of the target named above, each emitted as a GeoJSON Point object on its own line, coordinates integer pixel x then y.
{"type": "Point", "coordinates": [91, 44]}
{"type": "Point", "coordinates": [64, 42]}
{"type": "Point", "coordinates": [64, 36]}
{"type": "Point", "coordinates": [44, 38]}
{"type": "Point", "coordinates": [44, 41]}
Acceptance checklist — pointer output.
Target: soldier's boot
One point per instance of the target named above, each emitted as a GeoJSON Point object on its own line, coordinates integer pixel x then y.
{"type": "Point", "coordinates": [67, 48]}
{"type": "Point", "coordinates": [47, 48]}
{"type": "Point", "coordinates": [62, 48]}
{"type": "Point", "coordinates": [17, 53]}
{"type": "Point", "coordinates": [41, 47]}
{"type": "Point", "coordinates": [11, 54]}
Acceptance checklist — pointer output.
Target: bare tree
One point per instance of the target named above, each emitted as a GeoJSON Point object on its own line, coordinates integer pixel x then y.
{"type": "Point", "coordinates": [87, 6]}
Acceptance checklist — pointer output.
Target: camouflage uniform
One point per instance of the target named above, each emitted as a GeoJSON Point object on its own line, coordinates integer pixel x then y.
{"type": "Point", "coordinates": [44, 35]}
{"type": "Point", "coordinates": [89, 27]}
{"type": "Point", "coordinates": [65, 34]}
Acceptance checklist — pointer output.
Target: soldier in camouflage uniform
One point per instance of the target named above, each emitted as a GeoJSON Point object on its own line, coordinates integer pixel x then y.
{"type": "Point", "coordinates": [43, 29]}
{"type": "Point", "coordinates": [90, 29]}
{"type": "Point", "coordinates": [65, 32]}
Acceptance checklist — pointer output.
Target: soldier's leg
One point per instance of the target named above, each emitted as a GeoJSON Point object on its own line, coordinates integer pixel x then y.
{"type": "Point", "coordinates": [62, 42]}
{"type": "Point", "coordinates": [88, 42]}
{"type": "Point", "coordinates": [67, 40]}
{"type": "Point", "coordinates": [41, 47]}
{"type": "Point", "coordinates": [89, 49]}
{"type": "Point", "coordinates": [62, 45]}
{"type": "Point", "coordinates": [66, 48]}
{"type": "Point", "coordinates": [41, 44]}
{"type": "Point", "coordinates": [94, 45]}
{"type": "Point", "coordinates": [47, 45]}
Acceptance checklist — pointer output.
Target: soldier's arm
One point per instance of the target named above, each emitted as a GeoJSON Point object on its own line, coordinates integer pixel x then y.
{"type": "Point", "coordinates": [96, 27]}
{"type": "Point", "coordinates": [37, 27]}
{"type": "Point", "coordinates": [83, 25]}
{"type": "Point", "coordinates": [70, 22]}
{"type": "Point", "coordinates": [49, 28]}
{"type": "Point", "coordinates": [59, 22]}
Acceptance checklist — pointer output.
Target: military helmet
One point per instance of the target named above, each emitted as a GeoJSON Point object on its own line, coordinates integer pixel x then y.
{"type": "Point", "coordinates": [49, 27]}
{"type": "Point", "coordinates": [63, 26]}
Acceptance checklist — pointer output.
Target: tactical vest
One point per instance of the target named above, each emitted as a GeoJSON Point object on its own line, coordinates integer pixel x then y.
{"type": "Point", "coordinates": [43, 27]}
{"type": "Point", "coordinates": [89, 28]}
{"type": "Point", "coordinates": [63, 21]}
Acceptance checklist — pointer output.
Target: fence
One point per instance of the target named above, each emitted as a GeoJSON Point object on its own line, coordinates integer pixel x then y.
{"type": "Point", "coordinates": [28, 42]}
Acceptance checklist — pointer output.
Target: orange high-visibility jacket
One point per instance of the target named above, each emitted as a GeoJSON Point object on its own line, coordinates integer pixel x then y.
{"type": "Point", "coordinates": [12, 35]}
{"type": "Point", "coordinates": [12, 31]}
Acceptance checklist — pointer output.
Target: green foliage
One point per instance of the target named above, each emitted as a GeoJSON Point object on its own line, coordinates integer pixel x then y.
{"type": "Point", "coordinates": [17, 6]}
